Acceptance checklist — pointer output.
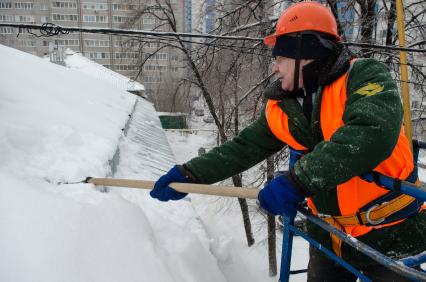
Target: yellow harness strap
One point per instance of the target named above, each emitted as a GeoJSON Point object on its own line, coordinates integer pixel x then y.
{"type": "Point", "coordinates": [336, 242]}
{"type": "Point", "coordinates": [373, 216]}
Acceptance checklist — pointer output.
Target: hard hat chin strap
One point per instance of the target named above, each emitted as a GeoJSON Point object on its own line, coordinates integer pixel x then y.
{"type": "Point", "coordinates": [297, 61]}
{"type": "Point", "coordinates": [307, 100]}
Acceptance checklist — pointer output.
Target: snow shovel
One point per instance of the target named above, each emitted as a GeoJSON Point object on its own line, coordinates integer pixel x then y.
{"type": "Point", "coordinates": [224, 191]}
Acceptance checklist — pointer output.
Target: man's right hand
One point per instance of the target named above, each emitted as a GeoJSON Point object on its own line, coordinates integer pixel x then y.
{"type": "Point", "coordinates": [163, 192]}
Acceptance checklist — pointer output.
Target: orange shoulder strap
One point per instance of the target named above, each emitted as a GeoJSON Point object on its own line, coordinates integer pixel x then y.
{"type": "Point", "coordinates": [278, 123]}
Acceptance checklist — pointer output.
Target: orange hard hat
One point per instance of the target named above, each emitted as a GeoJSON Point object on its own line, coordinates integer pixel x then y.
{"type": "Point", "coordinates": [304, 16]}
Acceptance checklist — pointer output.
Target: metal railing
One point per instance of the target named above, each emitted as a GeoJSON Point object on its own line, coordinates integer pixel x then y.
{"type": "Point", "coordinates": [402, 267]}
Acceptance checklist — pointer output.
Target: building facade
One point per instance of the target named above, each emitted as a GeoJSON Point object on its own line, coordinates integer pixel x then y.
{"type": "Point", "coordinates": [121, 54]}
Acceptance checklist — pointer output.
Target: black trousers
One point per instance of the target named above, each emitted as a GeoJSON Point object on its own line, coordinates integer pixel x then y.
{"type": "Point", "coordinates": [322, 269]}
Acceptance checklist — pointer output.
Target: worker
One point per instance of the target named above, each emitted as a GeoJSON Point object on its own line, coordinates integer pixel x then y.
{"type": "Point", "coordinates": [341, 118]}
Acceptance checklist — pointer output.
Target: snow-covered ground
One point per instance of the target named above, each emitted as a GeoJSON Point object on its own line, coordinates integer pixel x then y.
{"type": "Point", "coordinates": [223, 221]}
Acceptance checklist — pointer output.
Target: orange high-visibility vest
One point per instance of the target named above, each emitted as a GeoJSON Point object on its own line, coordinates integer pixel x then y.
{"type": "Point", "coordinates": [355, 193]}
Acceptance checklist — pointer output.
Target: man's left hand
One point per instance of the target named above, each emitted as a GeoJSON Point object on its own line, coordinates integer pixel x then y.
{"type": "Point", "coordinates": [280, 196]}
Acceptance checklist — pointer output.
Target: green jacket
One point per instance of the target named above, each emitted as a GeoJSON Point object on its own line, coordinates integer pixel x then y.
{"type": "Point", "coordinates": [371, 128]}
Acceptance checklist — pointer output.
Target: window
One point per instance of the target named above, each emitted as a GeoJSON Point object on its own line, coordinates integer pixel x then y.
{"type": "Point", "coordinates": [5, 5]}
{"type": "Point", "coordinates": [127, 55]}
{"type": "Point", "coordinates": [44, 19]}
{"type": "Point", "coordinates": [155, 68]}
{"type": "Point", "coordinates": [95, 6]}
{"type": "Point", "coordinates": [95, 19]}
{"type": "Point", "coordinates": [158, 56]}
{"type": "Point", "coordinates": [23, 5]}
{"type": "Point", "coordinates": [27, 43]}
{"type": "Point", "coordinates": [44, 6]}
{"type": "Point", "coordinates": [23, 31]}
{"type": "Point", "coordinates": [24, 19]}
{"type": "Point", "coordinates": [126, 44]}
{"type": "Point", "coordinates": [96, 43]}
{"type": "Point", "coordinates": [6, 18]}
{"type": "Point", "coordinates": [124, 7]}
{"type": "Point", "coordinates": [152, 79]}
{"type": "Point", "coordinates": [120, 19]}
{"type": "Point", "coordinates": [126, 67]}
{"type": "Point", "coordinates": [97, 55]}
{"type": "Point", "coordinates": [154, 45]}
{"type": "Point", "coordinates": [64, 4]}
{"type": "Point", "coordinates": [62, 17]}
{"type": "Point", "coordinates": [66, 42]}
{"type": "Point", "coordinates": [7, 30]}
{"type": "Point", "coordinates": [148, 20]}
{"type": "Point", "coordinates": [89, 18]}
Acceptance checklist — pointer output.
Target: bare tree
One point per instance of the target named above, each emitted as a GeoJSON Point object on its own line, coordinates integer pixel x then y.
{"type": "Point", "coordinates": [231, 74]}
{"type": "Point", "coordinates": [208, 70]}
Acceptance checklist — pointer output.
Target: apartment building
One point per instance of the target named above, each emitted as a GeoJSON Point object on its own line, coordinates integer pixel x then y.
{"type": "Point", "coordinates": [115, 52]}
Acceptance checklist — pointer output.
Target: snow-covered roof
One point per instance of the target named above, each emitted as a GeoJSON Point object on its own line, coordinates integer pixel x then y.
{"type": "Point", "coordinates": [61, 125]}
{"type": "Point", "coordinates": [76, 61]}
{"type": "Point", "coordinates": [171, 114]}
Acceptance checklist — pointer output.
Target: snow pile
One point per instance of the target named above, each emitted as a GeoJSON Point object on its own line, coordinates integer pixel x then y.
{"type": "Point", "coordinates": [60, 125]}
{"type": "Point", "coordinates": [77, 61]}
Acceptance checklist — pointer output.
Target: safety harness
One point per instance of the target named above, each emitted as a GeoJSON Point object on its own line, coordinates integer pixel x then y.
{"type": "Point", "coordinates": [390, 209]}
{"type": "Point", "coordinates": [364, 204]}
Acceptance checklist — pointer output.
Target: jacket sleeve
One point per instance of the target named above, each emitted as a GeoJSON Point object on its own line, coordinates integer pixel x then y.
{"type": "Point", "coordinates": [372, 122]}
{"type": "Point", "coordinates": [254, 144]}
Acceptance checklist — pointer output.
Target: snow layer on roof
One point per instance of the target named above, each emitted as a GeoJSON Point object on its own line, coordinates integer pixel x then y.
{"type": "Point", "coordinates": [59, 125]}
{"type": "Point", "coordinates": [171, 114]}
{"type": "Point", "coordinates": [77, 61]}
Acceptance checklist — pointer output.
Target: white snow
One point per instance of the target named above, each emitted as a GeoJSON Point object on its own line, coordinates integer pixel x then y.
{"type": "Point", "coordinates": [78, 62]}
{"type": "Point", "coordinates": [61, 125]}
{"type": "Point", "coordinates": [223, 221]}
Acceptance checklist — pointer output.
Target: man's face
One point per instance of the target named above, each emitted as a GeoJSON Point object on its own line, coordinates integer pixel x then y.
{"type": "Point", "coordinates": [283, 68]}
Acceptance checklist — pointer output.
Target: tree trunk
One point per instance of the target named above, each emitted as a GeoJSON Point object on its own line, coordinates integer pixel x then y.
{"type": "Point", "coordinates": [368, 22]}
{"type": "Point", "coordinates": [390, 29]}
{"type": "Point", "coordinates": [272, 238]}
{"type": "Point", "coordinates": [246, 220]}
{"type": "Point", "coordinates": [272, 253]}
{"type": "Point", "coordinates": [333, 6]}
{"type": "Point", "coordinates": [206, 95]}
{"type": "Point", "coordinates": [237, 179]}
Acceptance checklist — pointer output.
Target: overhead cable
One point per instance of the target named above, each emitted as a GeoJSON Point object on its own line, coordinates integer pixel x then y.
{"type": "Point", "coordinates": [50, 29]}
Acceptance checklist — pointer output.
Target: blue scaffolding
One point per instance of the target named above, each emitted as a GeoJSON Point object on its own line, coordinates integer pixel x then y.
{"type": "Point", "coordinates": [402, 266]}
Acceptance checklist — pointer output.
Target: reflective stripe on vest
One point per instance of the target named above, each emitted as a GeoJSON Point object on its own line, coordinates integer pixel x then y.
{"type": "Point", "coordinates": [355, 193]}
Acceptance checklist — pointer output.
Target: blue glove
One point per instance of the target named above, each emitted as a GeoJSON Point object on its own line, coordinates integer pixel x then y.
{"type": "Point", "coordinates": [280, 196]}
{"type": "Point", "coordinates": [163, 192]}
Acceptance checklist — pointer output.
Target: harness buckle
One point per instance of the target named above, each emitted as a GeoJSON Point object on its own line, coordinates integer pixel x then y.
{"type": "Point", "coordinates": [371, 221]}
{"type": "Point", "coordinates": [323, 215]}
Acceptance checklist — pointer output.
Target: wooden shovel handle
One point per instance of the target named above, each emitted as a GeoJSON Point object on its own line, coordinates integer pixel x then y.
{"type": "Point", "coordinates": [225, 191]}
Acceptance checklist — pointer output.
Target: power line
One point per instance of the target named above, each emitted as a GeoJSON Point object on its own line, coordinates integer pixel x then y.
{"type": "Point", "coordinates": [386, 47]}
{"type": "Point", "coordinates": [249, 50]}
{"type": "Point", "coordinates": [411, 82]}
{"type": "Point", "coordinates": [49, 29]}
